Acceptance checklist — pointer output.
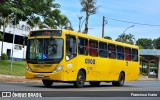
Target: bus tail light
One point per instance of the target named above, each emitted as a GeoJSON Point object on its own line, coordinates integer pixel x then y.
{"type": "Point", "coordinates": [58, 68]}
{"type": "Point", "coordinates": [28, 69]}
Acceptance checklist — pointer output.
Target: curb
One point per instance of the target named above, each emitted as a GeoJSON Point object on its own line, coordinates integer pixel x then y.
{"type": "Point", "coordinates": [22, 79]}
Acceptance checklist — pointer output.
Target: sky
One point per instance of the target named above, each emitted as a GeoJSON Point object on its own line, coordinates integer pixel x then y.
{"type": "Point", "coordinates": [138, 11]}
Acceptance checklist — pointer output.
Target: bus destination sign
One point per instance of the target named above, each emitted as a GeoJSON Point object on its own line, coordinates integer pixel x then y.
{"type": "Point", "coordinates": [46, 33]}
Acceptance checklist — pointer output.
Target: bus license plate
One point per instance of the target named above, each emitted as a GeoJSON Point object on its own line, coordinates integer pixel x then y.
{"type": "Point", "coordinates": [40, 75]}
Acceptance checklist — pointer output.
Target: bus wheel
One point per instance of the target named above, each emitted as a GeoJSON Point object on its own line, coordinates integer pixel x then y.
{"type": "Point", "coordinates": [120, 81]}
{"type": "Point", "coordinates": [79, 83]}
{"type": "Point", "coordinates": [47, 83]}
{"type": "Point", "coordinates": [94, 83]}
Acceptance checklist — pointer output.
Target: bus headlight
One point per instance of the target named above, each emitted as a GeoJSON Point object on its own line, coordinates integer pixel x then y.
{"type": "Point", "coordinates": [28, 69]}
{"type": "Point", "coordinates": [58, 68]}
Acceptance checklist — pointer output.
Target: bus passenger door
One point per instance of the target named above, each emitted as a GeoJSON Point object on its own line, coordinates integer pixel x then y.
{"type": "Point", "coordinates": [70, 54]}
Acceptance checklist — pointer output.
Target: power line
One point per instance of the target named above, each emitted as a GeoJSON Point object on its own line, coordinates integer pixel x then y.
{"type": "Point", "coordinates": [133, 22]}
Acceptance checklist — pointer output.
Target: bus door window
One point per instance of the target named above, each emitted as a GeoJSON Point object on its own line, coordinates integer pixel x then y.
{"type": "Point", "coordinates": [82, 46]}
{"type": "Point", "coordinates": [103, 50]}
{"type": "Point", "coordinates": [70, 47]}
{"type": "Point", "coordinates": [120, 53]}
{"type": "Point", "coordinates": [93, 48]}
{"type": "Point", "coordinates": [111, 50]}
{"type": "Point", "coordinates": [128, 54]}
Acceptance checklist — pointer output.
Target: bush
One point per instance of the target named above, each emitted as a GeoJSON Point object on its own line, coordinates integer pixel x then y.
{"type": "Point", "coordinates": [144, 74]}
{"type": "Point", "coordinates": [4, 56]}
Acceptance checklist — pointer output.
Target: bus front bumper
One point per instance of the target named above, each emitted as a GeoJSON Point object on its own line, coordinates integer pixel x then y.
{"type": "Point", "coordinates": [48, 76]}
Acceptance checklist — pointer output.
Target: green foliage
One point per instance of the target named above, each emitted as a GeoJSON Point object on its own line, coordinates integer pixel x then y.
{"type": "Point", "coordinates": [126, 38]}
{"type": "Point", "coordinates": [144, 74]}
{"type": "Point", "coordinates": [4, 56]}
{"type": "Point", "coordinates": [108, 37]}
{"type": "Point", "coordinates": [90, 8]}
{"type": "Point", "coordinates": [140, 47]}
{"type": "Point", "coordinates": [145, 43]}
{"type": "Point", "coordinates": [64, 22]}
{"type": "Point", "coordinates": [37, 13]}
{"type": "Point", "coordinates": [18, 68]}
{"type": "Point", "coordinates": [156, 43]}
{"type": "Point", "coordinates": [26, 9]}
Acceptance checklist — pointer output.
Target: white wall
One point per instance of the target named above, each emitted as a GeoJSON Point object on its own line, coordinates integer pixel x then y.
{"type": "Point", "coordinates": [16, 53]}
{"type": "Point", "coordinates": [21, 29]}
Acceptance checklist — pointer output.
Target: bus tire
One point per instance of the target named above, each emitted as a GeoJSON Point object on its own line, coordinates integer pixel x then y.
{"type": "Point", "coordinates": [94, 83]}
{"type": "Point", "coordinates": [47, 83]}
{"type": "Point", "coordinates": [120, 81]}
{"type": "Point", "coordinates": [81, 77]}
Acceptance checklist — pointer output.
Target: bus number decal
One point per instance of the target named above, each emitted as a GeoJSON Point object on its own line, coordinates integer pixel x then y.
{"type": "Point", "coordinates": [90, 61]}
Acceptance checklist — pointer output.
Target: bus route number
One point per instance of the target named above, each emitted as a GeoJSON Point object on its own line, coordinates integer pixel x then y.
{"type": "Point", "coordinates": [90, 61]}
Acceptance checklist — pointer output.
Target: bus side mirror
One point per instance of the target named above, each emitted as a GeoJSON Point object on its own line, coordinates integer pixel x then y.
{"type": "Point", "coordinates": [67, 58]}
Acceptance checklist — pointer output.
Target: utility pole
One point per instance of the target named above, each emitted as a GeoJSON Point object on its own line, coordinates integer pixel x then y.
{"type": "Point", "coordinates": [3, 39]}
{"type": "Point", "coordinates": [103, 20]}
{"type": "Point", "coordinates": [13, 42]}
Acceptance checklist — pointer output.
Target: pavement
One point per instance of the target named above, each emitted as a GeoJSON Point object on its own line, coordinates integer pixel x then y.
{"type": "Point", "coordinates": [146, 78]}
{"type": "Point", "coordinates": [22, 79]}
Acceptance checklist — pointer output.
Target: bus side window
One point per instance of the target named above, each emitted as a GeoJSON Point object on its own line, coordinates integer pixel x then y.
{"type": "Point", "coordinates": [134, 55]}
{"type": "Point", "coordinates": [111, 50]}
{"type": "Point", "coordinates": [82, 46]}
{"type": "Point", "coordinates": [127, 53]}
{"type": "Point", "coordinates": [93, 48]}
{"type": "Point", "coordinates": [103, 50]}
{"type": "Point", "coordinates": [70, 47]}
{"type": "Point", "coordinates": [120, 53]}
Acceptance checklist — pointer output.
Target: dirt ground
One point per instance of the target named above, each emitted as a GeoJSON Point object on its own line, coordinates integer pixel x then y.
{"type": "Point", "coordinates": [21, 79]}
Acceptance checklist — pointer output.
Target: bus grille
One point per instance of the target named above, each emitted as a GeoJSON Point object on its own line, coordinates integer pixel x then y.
{"type": "Point", "coordinates": [42, 66]}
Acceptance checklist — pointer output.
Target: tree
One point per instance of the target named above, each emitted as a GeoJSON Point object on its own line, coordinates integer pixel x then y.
{"type": "Point", "coordinates": [145, 43]}
{"type": "Point", "coordinates": [88, 6]}
{"type": "Point", "coordinates": [126, 38]}
{"type": "Point", "coordinates": [34, 22]}
{"type": "Point", "coordinates": [23, 10]}
{"type": "Point", "coordinates": [64, 23]}
{"type": "Point", "coordinates": [156, 43]}
{"type": "Point", "coordinates": [108, 37]}
{"type": "Point", "coordinates": [26, 9]}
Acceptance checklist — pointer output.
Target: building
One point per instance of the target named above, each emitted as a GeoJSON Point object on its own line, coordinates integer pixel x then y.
{"type": "Point", "coordinates": [151, 56]}
{"type": "Point", "coordinates": [19, 47]}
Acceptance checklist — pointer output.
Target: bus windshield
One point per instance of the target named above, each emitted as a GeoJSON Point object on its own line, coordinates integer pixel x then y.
{"type": "Point", "coordinates": [44, 49]}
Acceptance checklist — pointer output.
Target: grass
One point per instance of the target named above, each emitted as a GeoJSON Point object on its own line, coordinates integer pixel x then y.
{"type": "Point", "coordinates": [18, 68]}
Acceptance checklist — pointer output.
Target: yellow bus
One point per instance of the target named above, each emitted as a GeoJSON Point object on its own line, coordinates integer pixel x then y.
{"type": "Point", "coordinates": [68, 56]}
